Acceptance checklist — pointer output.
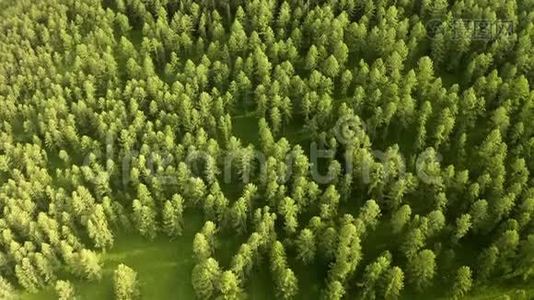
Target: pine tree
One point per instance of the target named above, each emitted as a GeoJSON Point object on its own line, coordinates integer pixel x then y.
{"type": "Point", "coordinates": [27, 276]}
{"type": "Point", "coordinates": [372, 273]}
{"type": "Point", "coordinates": [229, 286]}
{"type": "Point", "coordinates": [98, 228]}
{"type": "Point", "coordinates": [400, 218]}
{"type": "Point", "coordinates": [144, 218]}
{"type": "Point", "coordinates": [237, 41]}
{"type": "Point", "coordinates": [331, 67]}
{"type": "Point", "coordinates": [125, 283]}
{"type": "Point", "coordinates": [311, 58]}
{"type": "Point", "coordinates": [463, 282]}
{"type": "Point", "coordinates": [348, 253]}
{"type": "Point", "coordinates": [370, 213]}
{"type": "Point", "coordinates": [287, 286]}
{"type": "Point", "coordinates": [394, 283]}
{"type": "Point", "coordinates": [334, 290]}
{"type": "Point", "coordinates": [306, 246]}
{"type": "Point", "coordinates": [414, 241]}
{"type": "Point", "coordinates": [169, 220]}
{"type": "Point", "coordinates": [239, 215]}
{"type": "Point", "coordinates": [463, 224]}
{"type": "Point", "coordinates": [201, 247]}
{"type": "Point", "coordinates": [289, 211]}
{"type": "Point", "coordinates": [204, 278]}
{"type": "Point", "coordinates": [422, 268]}
{"type": "Point", "coordinates": [64, 290]}
{"type": "Point", "coordinates": [6, 290]}
{"type": "Point", "coordinates": [88, 265]}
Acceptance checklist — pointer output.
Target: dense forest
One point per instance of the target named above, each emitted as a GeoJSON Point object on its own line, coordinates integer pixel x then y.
{"type": "Point", "coordinates": [382, 146]}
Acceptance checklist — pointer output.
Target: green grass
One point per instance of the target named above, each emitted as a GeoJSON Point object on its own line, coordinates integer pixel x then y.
{"type": "Point", "coordinates": [164, 271]}
{"type": "Point", "coordinates": [245, 127]}
{"type": "Point", "coordinates": [499, 292]}
{"type": "Point", "coordinates": [163, 266]}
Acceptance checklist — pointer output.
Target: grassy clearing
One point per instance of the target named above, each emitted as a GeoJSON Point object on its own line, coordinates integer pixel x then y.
{"type": "Point", "coordinates": [164, 268]}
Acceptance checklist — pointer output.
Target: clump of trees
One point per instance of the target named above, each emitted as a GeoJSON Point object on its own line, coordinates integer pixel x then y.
{"type": "Point", "coordinates": [392, 137]}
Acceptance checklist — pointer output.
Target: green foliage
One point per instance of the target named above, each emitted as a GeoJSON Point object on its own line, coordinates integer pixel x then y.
{"type": "Point", "coordinates": [463, 224]}
{"type": "Point", "coordinates": [463, 282]}
{"type": "Point", "coordinates": [64, 290]}
{"type": "Point", "coordinates": [172, 216]}
{"type": "Point", "coordinates": [394, 283]}
{"type": "Point", "coordinates": [400, 218]}
{"type": "Point", "coordinates": [422, 268]}
{"type": "Point", "coordinates": [7, 290]}
{"type": "Point", "coordinates": [88, 265]}
{"type": "Point", "coordinates": [306, 246]}
{"type": "Point", "coordinates": [372, 273]}
{"type": "Point", "coordinates": [205, 277]}
{"type": "Point", "coordinates": [316, 136]}
{"type": "Point", "coordinates": [125, 283]}
{"type": "Point", "coordinates": [229, 286]}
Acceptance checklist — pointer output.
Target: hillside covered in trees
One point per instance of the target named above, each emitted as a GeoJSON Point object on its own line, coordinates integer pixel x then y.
{"type": "Point", "coordinates": [340, 149]}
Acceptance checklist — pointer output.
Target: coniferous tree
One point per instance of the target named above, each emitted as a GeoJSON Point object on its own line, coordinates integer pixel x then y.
{"type": "Point", "coordinates": [6, 289]}
{"type": "Point", "coordinates": [125, 283]}
{"type": "Point", "coordinates": [64, 290]}
{"type": "Point", "coordinates": [422, 268]}
{"type": "Point", "coordinates": [204, 278]}
{"type": "Point", "coordinates": [229, 286]}
{"type": "Point", "coordinates": [394, 283]}
{"type": "Point", "coordinates": [463, 282]}
{"type": "Point", "coordinates": [306, 246]}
